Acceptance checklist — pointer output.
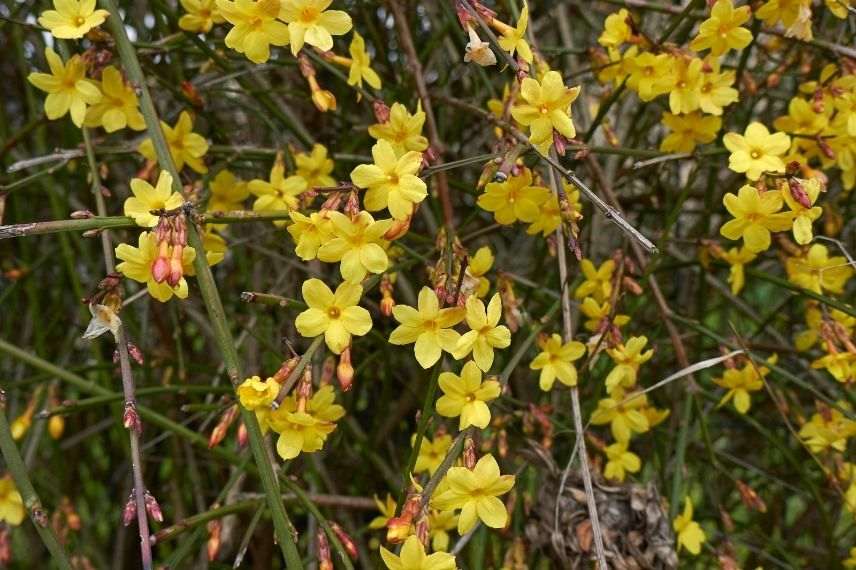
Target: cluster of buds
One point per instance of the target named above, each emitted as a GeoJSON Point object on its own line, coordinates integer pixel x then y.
{"type": "Point", "coordinates": [304, 390]}
{"type": "Point", "coordinates": [400, 527]}
{"type": "Point", "coordinates": [171, 236]}
{"type": "Point", "coordinates": [324, 100]}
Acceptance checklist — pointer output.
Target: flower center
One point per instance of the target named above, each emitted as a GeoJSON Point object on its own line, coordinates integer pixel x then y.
{"type": "Point", "coordinates": [79, 21]}
{"type": "Point", "coordinates": [334, 312]}
{"type": "Point", "coordinates": [756, 154]}
{"type": "Point", "coordinates": [308, 15]}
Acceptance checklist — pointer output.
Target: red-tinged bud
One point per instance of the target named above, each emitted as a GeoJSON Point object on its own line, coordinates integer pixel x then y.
{"type": "Point", "coordinates": [630, 285]}
{"type": "Point", "coordinates": [430, 156]}
{"type": "Point", "coordinates": [328, 370]}
{"type": "Point", "coordinates": [325, 562]}
{"type": "Point", "coordinates": [817, 101]}
{"type": "Point", "coordinates": [131, 419]}
{"type": "Point", "coordinates": [750, 498]}
{"type": "Point", "coordinates": [160, 269]}
{"type": "Point", "coordinates": [345, 370]}
{"type": "Point", "coordinates": [152, 506]}
{"type": "Point", "coordinates": [398, 529]}
{"type": "Point", "coordinates": [559, 142]}
{"type": "Point", "coordinates": [129, 513]}
{"type": "Point", "coordinates": [423, 530]}
{"type": "Point", "coordinates": [81, 215]}
{"type": "Point", "coordinates": [824, 147]}
{"type": "Point", "coordinates": [189, 91]}
{"type": "Point", "coordinates": [332, 202]}
{"type": "Point", "coordinates": [387, 303]}
{"type": "Point", "coordinates": [222, 428]}
{"type": "Point", "coordinates": [176, 271]}
{"type": "Point", "coordinates": [381, 111]}
{"type": "Point", "coordinates": [469, 455]}
{"type": "Point", "coordinates": [398, 229]}
{"type": "Point", "coordinates": [352, 205]}
{"type": "Point", "coordinates": [243, 436]}
{"type": "Point", "coordinates": [798, 193]}
{"type": "Point", "coordinates": [5, 546]}
{"type": "Point", "coordinates": [136, 353]}
{"type": "Point", "coordinates": [213, 546]}
{"type": "Point", "coordinates": [286, 369]}
{"type": "Point", "coordinates": [346, 540]}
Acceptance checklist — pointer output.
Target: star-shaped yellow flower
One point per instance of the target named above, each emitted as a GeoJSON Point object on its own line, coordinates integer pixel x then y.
{"type": "Point", "coordinates": [756, 151]}
{"type": "Point", "coordinates": [486, 333]}
{"type": "Point", "coordinates": [514, 199]}
{"type": "Point", "coordinates": [137, 265]}
{"type": "Point", "coordinates": [546, 106]}
{"type": "Point", "coordinates": [690, 534]}
{"type": "Point", "coordinates": [403, 130]}
{"type": "Point", "coordinates": [556, 361]}
{"type": "Point", "coordinates": [357, 244]}
{"type": "Point", "coordinates": [361, 64]}
{"type": "Point", "coordinates": [335, 315]}
{"type": "Point", "coordinates": [71, 19]}
{"type": "Point", "coordinates": [722, 32]}
{"type": "Point", "coordinates": [392, 181]}
{"type": "Point", "coordinates": [310, 22]}
{"type": "Point", "coordinates": [185, 146]}
{"type": "Point", "coordinates": [467, 396]}
{"type": "Point", "coordinates": [428, 326]}
{"type": "Point", "coordinates": [200, 16]}
{"type": "Point", "coordinates": [476, 493]}
{"type": "Point", "coordinates": [67, 87]}
{"type": "Point", "coordinates": [255, 27]}
{"type": "Point", "coordinates": [278, 193]}
{"type": "Point", "coordinates": [147, 198]}
{"type": "Point", "coordinates": [756, 214]}
{"type": "Point", "coordinates": [118, 107]}
{"type": "Point", "coordinates": [413, 557]}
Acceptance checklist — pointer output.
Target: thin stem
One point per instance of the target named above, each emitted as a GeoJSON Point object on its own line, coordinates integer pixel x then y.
{"type": "Point", "coordinates": [15, 465]}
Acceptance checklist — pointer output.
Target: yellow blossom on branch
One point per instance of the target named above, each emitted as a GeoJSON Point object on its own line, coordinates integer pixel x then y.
{"type": "Point", "coordinates": [625, 417]}
{"type": "Point", "coordinates": [310, 22]}
{"type": "Point", "coordinates": [804, 212]}
{"type": "Point", "coordinates": [315, 167]}
{"type": "Point", "coordinates": [740, 382]}
{"type": "Point", "coordinates": [228, 192]}
{"type": "Point", "coordinates": [185, 146]}
{"type": "Point", "coordinates": [12, 510]}
{"type": "Point", "coordinates": [361, 64]}
{"type": "Point", "coordinates": [556, 361]}
{"type": "Point", "coordinates": [737, 258]}
{"type": "Point", "coordinates": [689, 131]}
{"type": "Point", "coordinates": [392, 181]}
{"type": "Point", "coordinates": [432, 453]}
{"type": "Point", "coordinates": [413, 557]}
{"type": "Point", "coordinates": [715, 89]}
{"type": "Point", "coordinates": [616, 30]}
{"type": "Point", "coordinates": [514, 199]}
{"type": "Point", "coordinates": [722, 31]}
{"type": "Point", "coordinates": [67, 87]}
{"type": "Point", "coordinates": [428, 326]}
{"type": "Point", "coordinates": [628, 357]}
{"type": "Point", "coordinates": [466, 396]}
{"type": "Point", "coordinates": [620, 461]}
{"type": "Point", "coordinates": [514, 39]}
{"type": "Point", "coordinates": [690, 534]}
{"type": "Point", "coordinates": [817, 271]}
{"type": "Point", "coordinates": [403, 130]}
{"type": "Point", "coordinates": [546, 106]}
{"type": "Point", "coordinates": [71, 19]}
{"type": "Point", "coordinates": [756, 151]}
{"type": "Point", "coordinates": [137, 265]}
{"type": "Point", "coordinates": [118, 107]}
{"type": "Point", "coordinates": [335, 315]}
{"type": "Point", "coordinates": [479, 265]}
{"type": "Point", "coordinates": [279, 192]}
{"type": "Point", "coordinates": [304, 428]}
{"type": "Point", "coordinates": [357, 244]}
{"type": "Point", "coordinates": [147, 198]}
{"type": "Point", "coordinates": [309, 233]}
{"type": "Point", "coordinates": [486, 333]}
{"type": "Point", "coordinates": [256, 394]}
{"type": "Point", "coordinates": [649, 74]}
{"type": "Point", "coordinates": [756, 214]}
{"type": "Point", "coordinates": [200, 16]}
{"type": "Point", "coordinates": [255, 27]}
{"type": "Point", "coordinates": [598, 314]}
{"type": "Point", "coordinates": [598, 281]}
{"type": "Point", "coordinates": [684, 94]}
{"type": "Point", "coordinates": [387, 511]}
{"type": "Point", "coordinates": [476, 493]}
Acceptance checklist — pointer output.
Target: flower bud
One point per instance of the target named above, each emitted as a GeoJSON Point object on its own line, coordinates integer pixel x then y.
{"type": "Point", "coordinates": [398, 229]}
{"type": "Point", "coordinates": [176, 271]}
{"type": "Point", "coordinates": [56, 425]}
{"type": "Point", "coordinates": [129, 513]}
{"type": "Point", "coordinates": [213, 546]}
{"type": "Point", "coordinates": [222, 428]}
{"type": "Point", "coordinates": [345, 370]}
{"type": "Point", "coordinates": [346, 540]}
{"type": "Point", "coordinates": [325, 562]}
{"type": "Point", "coordinates": [381, 111]}
{"type": "Point", "coordinates": [131, 419]}
{"type": "Point", "coordinates": [328, 369]}
{"type": "Point", "coordinates": [152, 506]}
{"type": "Point", "coordinates": [243, 436]}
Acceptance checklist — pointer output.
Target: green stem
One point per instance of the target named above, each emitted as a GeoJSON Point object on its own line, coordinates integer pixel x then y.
{"type": "Point", "coordinates": [15, 465]}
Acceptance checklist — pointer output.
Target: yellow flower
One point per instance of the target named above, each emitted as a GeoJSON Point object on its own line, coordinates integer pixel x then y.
{"type": "Point", "coordinates": [688, 131]}
{"type": "Point", "coordinates": [839, 9]}
{"type": "Point", "coordinates": [722, 31]}
{"type": "Point", "coordinates": [514, 39]}
{"type": "Point", "coordinates": [315, 167]}
{"type": "Point", "coordinates": [828, 429]}
{"type": "Point", "coordinates": [146, 198]}
{"type": "Point", "coordinates": [432, 453]}
{"type": "Point", "coordinates": [598, 313]}
{"type": "Point", "coordinates": [616, 30]}
{"type": "Point", "coordinates": [625, 418]}
{"type": "Point", "coordinates": [201, 15]}
{"type": "Point", "coordinates": [137, 265]}
{"type": "Point", "coordinates": [228, 192]}
{"type": "Point", "coordinates": [690, 534]}
{"type": "Point", "coordinates": [478, 267]}
{"type": "Point", "coordinates": [309, 232]}
{"type": "Point", "coordinates": [439, 523]}
{"type": "Point", "coordinates": [279, 193]}
{"type": "Point", "coordinates": [550, 216]}
{"type": "Point", "coordinates": [255, 394]}
{"type": "Point", "coordinates": [684, 95]}
{"type": "Point", "coordinates": [716, 91]}
{"type": "Point", "coordinates": [215, 247]}
{"type": "Point", "coordinates": [466, 396]}
{"type": "Point", "coordinates": [387, 511]}
{"type": "Point", "coordinates": [757, 151]}
{"type": "Point", "coordinates": [486, 333]}
{"type": "Point", "coordinates": [818, 272]}
{"type": "Point", "coordinates": [361, 64]}
{"type": "Point", "coordinates": [413, 557]}
{"type": "Point", "coordinates": [842, 366]}
{"type": "Point", "coordinates": [309, 21]}
{"type": "Point", "coordinates": [792, 13]}
{"type": "Point", "coordinates": [737, 258]}
{"type": "Point", "coordinates": [476, 493]}
{"type": "Point", "coordinates": [803, 217]}
{"type": "Point", "coordinates": [546, 106]}
{"type": "Point", "coordinates": [628, 357]}
{"type": "Point", "coordinates": [740, 382]}
{"type": "Point", "coordinates": [72, 18]}
{"type": "Point", "coordinates": [255, 27]}
{"type": "Point", "coordinates": [391, 182]}
{"type": "Point", "coordinates": [67, 87]}
{"type": "Point", "coordinates": [429, 327]}
{"type": "Point", "coordinates": [12, 509]}
{"type": "Point", "coordinates": [598, 282]}
{"type": "Point", "coordinates": [305, 429]}
{"type": "Point", "coordinates": [650, 74]}
{"type": "Point", "coordinates": [358, 244]}
{"type": "Point", "coordinates": [514, 199]}
{"type": "Point", "coordinates": [336, 315]}
{"type": "Point", "coordinates": [801, 119]}
{"type": "Point", "coordinates": [556, 361]}
{"type": "Point", "coordinates": [756, 214]}
{"type": "Point", "coordinates": [118, 107]}
{"type": "Point", "coordinates": [185, 146]}
{"type": "Point", "coordinates": [403, 130]}
{"type": "Point", "coordinates": [619, 461]}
